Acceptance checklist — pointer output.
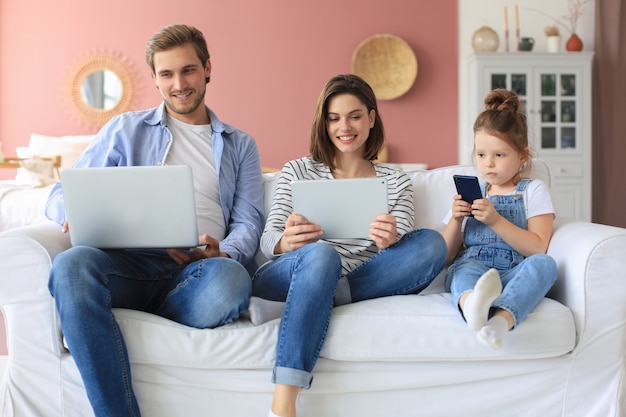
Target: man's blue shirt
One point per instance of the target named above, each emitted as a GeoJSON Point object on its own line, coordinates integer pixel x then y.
{"type": "Point", "coordinates": [142, 138]}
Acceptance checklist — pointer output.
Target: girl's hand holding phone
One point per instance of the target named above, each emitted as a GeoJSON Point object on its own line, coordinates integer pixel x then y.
{"type": "Point", "coordinates": [460, 207]}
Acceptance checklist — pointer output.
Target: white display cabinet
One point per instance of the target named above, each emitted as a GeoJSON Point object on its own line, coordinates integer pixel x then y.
{"type": "Point", "coordinates": [556, 91]}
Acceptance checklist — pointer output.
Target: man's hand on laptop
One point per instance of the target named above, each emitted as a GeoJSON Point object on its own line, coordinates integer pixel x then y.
{"type": "Point", "coordinates": [211, 249]}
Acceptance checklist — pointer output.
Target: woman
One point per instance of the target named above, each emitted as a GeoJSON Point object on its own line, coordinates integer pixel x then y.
{"type": "Point", "coordinates": [312, 275]}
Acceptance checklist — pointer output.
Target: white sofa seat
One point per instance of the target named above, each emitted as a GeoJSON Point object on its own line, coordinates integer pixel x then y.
{"type": "Point", "coordinates": [395, 356]}
{"type": "Point", "coordinates": [422, 329]}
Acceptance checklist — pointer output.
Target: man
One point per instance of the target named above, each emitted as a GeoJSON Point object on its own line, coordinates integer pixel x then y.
{"type": "Point", "coordinates": [203, 287]}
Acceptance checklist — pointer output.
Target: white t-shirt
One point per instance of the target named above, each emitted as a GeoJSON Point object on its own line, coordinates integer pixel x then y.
{"type": "Point", "coordinates": [537, 201]}
{"type": "Point", "coordinates": [192, 145]}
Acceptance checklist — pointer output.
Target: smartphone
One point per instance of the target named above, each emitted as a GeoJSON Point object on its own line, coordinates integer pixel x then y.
{"type": "Point", "coordinates": [468, 187]}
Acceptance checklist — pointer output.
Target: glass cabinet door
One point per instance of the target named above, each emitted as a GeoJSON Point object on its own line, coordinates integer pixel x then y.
{"type": "Point", "coordinates": [550, 99]}
{"type": "Point", "coordinates": [558, 111]}
{"type": "Point", "coordinates": [517, 82]}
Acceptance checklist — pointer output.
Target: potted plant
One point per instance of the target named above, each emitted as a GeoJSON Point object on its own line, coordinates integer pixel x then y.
{"type": "Point", "coordinates": [554, 38]}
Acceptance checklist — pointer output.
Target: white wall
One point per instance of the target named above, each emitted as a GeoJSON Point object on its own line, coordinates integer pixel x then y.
{"type": "Point", "coordinates": [475, 13]}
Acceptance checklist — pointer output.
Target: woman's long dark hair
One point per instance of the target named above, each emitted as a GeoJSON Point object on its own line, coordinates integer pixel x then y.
{"type": "Point", "coordinates": [321, 147]}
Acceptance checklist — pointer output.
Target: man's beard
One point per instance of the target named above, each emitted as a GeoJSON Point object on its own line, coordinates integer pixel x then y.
{"type": "Point", "coordinates": [184, 109]}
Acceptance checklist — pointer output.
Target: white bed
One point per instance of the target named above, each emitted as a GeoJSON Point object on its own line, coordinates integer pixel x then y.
{"type": "Point", "coordinates": [22, 200]}
{"type": "Point", "coordinates": [21, 204]}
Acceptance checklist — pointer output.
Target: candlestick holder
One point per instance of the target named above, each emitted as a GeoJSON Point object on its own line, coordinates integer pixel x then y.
{"type": "Point", "coordinates": [506, 40]}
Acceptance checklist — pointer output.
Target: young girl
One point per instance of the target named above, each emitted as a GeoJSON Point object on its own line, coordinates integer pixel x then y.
{"type": "Point", "coordinates": [502, 271]}
{"type": "Point", "coordinates": [312, 275]}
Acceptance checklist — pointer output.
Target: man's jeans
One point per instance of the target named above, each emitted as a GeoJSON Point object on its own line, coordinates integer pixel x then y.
{"type": "Point", "coordinates": [87, 283]}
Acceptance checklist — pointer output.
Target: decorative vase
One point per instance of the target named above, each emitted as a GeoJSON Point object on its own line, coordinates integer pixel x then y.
{"type": "Point", "coordinates": [485, 39]}
{"type": "Point", "coordinates": [554, 43]}
{"type": "Point", "coordinates": [574, 43]}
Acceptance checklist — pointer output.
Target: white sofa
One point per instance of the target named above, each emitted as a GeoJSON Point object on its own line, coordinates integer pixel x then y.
{"type": "Point", "coordinates": [396, 356]}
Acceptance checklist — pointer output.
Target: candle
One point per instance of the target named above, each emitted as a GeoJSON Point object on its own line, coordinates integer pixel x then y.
{"type": "Point", "coordinates": [506, 19]}
{"type": "Point", "coordinates": [516, 18]}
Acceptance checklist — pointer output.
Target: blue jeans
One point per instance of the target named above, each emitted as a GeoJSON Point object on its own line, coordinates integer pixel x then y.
{"type": "Point", "coordinates": [307, 280]}
{"type": "Point", "coordinates": [87, 283]}
{"type": "Point", "coordinates": [523, 286]}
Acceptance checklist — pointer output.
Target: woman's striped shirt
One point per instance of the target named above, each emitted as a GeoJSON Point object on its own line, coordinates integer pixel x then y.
{"type": "Point", "coordinates": [353, 251]}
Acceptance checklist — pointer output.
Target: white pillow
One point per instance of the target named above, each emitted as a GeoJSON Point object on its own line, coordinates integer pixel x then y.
{"type": "Point", "coordinates": [69, 147]}
{"type": "Point", "coordinates": [36, 172]}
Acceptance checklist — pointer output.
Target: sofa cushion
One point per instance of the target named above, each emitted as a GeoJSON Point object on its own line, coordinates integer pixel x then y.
{"type": "Point", "coordinates": [429, 327]}
{"type": "Point", "coordinates": [399, 328]}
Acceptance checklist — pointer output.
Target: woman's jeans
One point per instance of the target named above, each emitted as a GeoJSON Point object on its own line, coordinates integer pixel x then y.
{"type": "Point", "coordinates": [308, 277]}
{"type": "Point", "coordinates": [87, 283]}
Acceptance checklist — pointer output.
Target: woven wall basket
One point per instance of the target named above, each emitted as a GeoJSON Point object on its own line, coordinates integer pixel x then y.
{"type": "Point", "coordinates": [387, 63]}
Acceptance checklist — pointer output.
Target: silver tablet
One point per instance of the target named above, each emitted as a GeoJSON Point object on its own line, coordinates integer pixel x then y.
{"type": "Point", "coordinates": [344, 208]}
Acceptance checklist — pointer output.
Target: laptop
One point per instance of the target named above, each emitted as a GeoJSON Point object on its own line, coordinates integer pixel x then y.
{"type": "Point", "coordinates": [130, 207]}
{"type": "Point", "coordinates": [344, 208]}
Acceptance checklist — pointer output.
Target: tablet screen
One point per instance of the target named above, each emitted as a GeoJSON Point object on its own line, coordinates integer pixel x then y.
{"type": "Point", "coordinates": [344, 208]}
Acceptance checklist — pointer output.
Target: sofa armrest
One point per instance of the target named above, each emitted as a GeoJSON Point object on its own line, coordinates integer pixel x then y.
{"type": "Point", "coordinates": [591, 260]}
{"type": "Point", "coordinates": [25, 250]}
{"type": "Point", "coordinates": [27, 254]}
{"type": "Point", "coordinates": [47, 234]}
{"type": "Point", "coordinates": [34, 339]}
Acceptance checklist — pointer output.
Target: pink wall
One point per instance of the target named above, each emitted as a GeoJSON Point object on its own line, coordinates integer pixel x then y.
{"type": "Point", "coordinates": [270, 61]}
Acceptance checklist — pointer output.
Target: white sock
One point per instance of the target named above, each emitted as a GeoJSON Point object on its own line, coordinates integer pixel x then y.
{"type": "Point", "coordinates": [271, 414]}
{"type": "Point", "coordinates": [477, 304]}
{"type": "Point", "coordinates": [262, 310]}
{"type": "Point", "coordinates": [492, 334]}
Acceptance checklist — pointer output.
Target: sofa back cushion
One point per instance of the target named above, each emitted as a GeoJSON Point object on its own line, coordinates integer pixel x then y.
{"type": "Point", "coordinates": [434, 190]}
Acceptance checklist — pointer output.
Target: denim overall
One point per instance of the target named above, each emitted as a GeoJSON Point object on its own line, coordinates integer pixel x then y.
{"type": "Point", "coordinates": [525, 281]}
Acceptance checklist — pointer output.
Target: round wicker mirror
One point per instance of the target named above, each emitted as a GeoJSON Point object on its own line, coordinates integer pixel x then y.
{"type": "Point", "coordinates": [101, 86]}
